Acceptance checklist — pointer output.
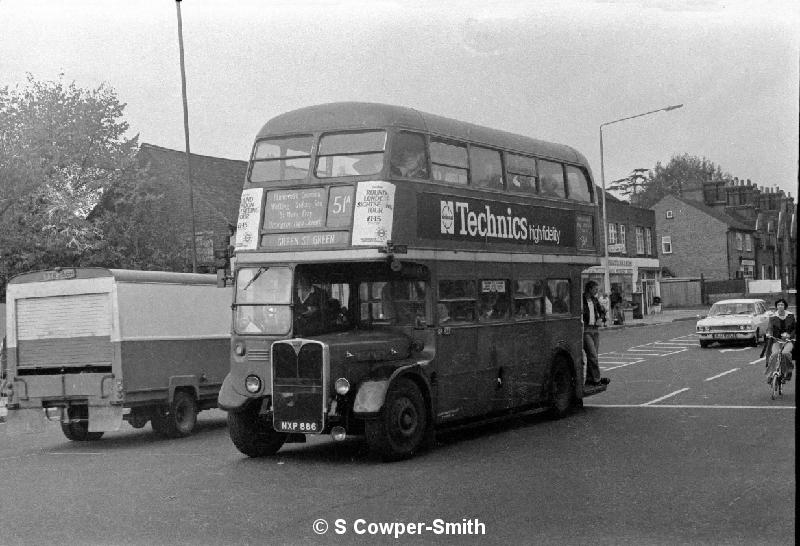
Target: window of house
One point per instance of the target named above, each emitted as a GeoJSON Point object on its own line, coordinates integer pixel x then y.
{"type": "Point", "coordinates": [551, 178]}
{"type": "Point", "coordinates": [449, 162]}
{"type": "Point", "coordinates": [748, 242]}
{"type": "Point", "coordinates": [669, 215]}
{"type": "Point", "coordinates": [578, 184]}
{"type": "Point", "coordinates": [612, 233]}
{"type": "Point", "coordinates": [456, 301]}
{"type": "Point", "coordinates": [486, 167]}
{"type": "Point", "coordinates": [528, 298]}
{"type": "Point", "coordinates": [639, 239]}
{"type": "Point", "coordinates": [738, 241]}
{"type": "Point", "coordinates": [666, 244]}
{"type": "Point", "coordinates": [521, 173]}
{"type": "Point", "coordinates": [648, 241]}
{"type": "Point", "coordinates": [621, 237]}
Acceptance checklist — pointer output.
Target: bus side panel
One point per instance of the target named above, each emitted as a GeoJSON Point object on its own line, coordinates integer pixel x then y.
{"type": "Point", "coordinates": [530, 361]}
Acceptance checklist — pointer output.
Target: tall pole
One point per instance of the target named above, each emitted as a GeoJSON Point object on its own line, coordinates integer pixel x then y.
{"type": "Point", "coordinates": [606, 276]}
{"type": "Point", "coordinates": [186, 134]}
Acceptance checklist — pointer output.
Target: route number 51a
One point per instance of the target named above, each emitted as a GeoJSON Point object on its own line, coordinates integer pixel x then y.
{"type": "Point", "coordinates": [340, 206]}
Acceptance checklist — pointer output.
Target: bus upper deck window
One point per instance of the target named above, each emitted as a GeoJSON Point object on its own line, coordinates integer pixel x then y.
{"type": "Point", "coordinates": [449, 161]}
{"type": "Point", "coordinates": [486, 167]}
{"type": "Point", "coordinates": [551, 178]}
{"type": "Point", "coordinates": [521, 173]}
{"type": "Point", "coordinates": [408, 156]}
{"type": "Point", "coordinates": [351, 154]}
{"type": "Point", "coordinates": [286, 158]}
{"type": "Point", "coordinates": [578, 184]}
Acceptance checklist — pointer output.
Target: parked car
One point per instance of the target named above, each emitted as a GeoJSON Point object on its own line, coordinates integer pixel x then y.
{"type": "Point", "coordinates": [734, 320]}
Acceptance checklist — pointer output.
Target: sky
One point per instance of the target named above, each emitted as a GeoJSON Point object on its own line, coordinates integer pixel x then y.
{"type": "Point", "coordinates": [552, 70]}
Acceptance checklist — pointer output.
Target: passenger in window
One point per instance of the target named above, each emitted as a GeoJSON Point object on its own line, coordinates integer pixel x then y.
{"type": "Point", "coordinates": [561, 302]}
{"type": "Point", "coordinates": [444, 312]}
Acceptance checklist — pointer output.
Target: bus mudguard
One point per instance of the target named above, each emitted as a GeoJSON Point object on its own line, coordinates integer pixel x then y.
{"type": "Point", "coordinates": [372, 391]}
{"type": "Point", "coordinates": [229, 399]}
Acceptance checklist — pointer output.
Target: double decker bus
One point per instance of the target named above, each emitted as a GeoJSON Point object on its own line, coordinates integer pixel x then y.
{"type": "Point", "coordinates": [397, 272]}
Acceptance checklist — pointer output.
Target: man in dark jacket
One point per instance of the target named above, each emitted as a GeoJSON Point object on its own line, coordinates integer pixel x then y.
{"type": "Point", "coordinates": [593, 314]}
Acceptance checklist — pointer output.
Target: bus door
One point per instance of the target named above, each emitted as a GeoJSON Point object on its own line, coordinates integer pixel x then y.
{"type": "Point", "coordinates": [495, 355]}
{"type": "Point", "coordinates": [458, 367]}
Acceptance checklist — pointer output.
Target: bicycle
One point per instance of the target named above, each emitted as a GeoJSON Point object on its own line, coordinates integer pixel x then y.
{"type": "Point", "coordinates": [778, 362]}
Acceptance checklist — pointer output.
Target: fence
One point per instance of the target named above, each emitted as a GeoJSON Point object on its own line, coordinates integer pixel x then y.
{"type": "Point", "coordinates": [681, 293]}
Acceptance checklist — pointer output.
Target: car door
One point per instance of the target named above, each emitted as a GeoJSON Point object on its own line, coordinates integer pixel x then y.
{"type": "Point", "coordinates": [762, 317]}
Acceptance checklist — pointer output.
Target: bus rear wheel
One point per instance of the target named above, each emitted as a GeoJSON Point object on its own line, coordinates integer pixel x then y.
{"type": "Point", "coordinates": [562, 389]}
{"type": "Point", "coordinates": [252, 434]}
{"type": "Point", "coordinates": [77, 429]}
{"type": "Point", "coordinates": [401, 428]}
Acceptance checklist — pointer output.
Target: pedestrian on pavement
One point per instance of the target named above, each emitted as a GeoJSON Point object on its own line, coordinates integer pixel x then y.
{"type": "Point", "coordinates": [616, 307]}
{"type": "Point", "coordinates": [593, 315]}
{"type": "Point", "coordinates": [605, 302]}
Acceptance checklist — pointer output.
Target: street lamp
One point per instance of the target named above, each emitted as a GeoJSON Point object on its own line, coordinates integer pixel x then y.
{"type": "Point", "coordinates": [606, 280]}
{"type": "Point", "coordinates": [186, 135]}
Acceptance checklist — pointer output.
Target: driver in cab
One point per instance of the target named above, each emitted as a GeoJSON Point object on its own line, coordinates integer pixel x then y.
{"type": "Point", "coordinates": [308, 306]}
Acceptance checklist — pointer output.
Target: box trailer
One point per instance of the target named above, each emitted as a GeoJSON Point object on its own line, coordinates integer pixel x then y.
{"type": "Point", "coordinates": [92, 347]}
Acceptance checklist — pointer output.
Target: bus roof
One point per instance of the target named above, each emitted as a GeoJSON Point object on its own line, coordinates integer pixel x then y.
{"type": "Point", "coordinates": [338, 116]}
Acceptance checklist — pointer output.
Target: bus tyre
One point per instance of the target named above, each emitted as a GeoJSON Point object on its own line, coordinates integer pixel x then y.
{"type": "Point", "coordinates": [562, 389]}
{"type": "Point", "coordinates": [402, 427]}
{"type": "Point", "coordinates": [77, 429]}
{"type": "Point", "coordinates": [253, 435]}
{"type": "Point", "coordinates": [704, 344]}
{"type": "Point", "coordinates": [179, 420]}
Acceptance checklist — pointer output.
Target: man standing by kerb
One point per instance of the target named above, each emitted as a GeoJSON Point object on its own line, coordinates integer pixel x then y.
{"type": "Point", "coordinates": [593, 315]}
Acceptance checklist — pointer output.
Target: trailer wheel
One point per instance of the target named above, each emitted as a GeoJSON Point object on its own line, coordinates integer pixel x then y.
{"type": "Point", "coordinates": [562, 389]}
{"type": "Point", "coordinates": [253, 434]}
{"type": "Point", "coordinates": [402, 426]}
{"type": "Point", "coordinates": [179, 420]}
{"type": "Point", "coordinates": [77, 429]}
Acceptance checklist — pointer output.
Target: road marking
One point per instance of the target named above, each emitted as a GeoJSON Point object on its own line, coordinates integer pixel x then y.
{"type": "Point", "coordinates": [683, 406]}
{"type": "Point", "coordinates": [71, 453]}
{"type": "Point", "coordinates": [606, 368]}
{"type": "Point", "coordinates": [721, 374]}
{"type": "Point", "coordinates": [734, 350]}
{"type": "Point", "coordinates": [665, 397]}
{"type": "Point", "coordinates": [757, 361]}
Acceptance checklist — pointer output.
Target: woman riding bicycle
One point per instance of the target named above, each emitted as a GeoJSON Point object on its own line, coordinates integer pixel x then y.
{"type": "Point", "coordinates": [781, 325]}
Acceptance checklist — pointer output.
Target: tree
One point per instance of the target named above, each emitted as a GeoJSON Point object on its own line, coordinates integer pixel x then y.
{"type": "Point", "coordinates": [682, 172]}
{"type": "Point", "coordinates": [630, 185]}
{"type": "Point", "coordinates": [61, 147]}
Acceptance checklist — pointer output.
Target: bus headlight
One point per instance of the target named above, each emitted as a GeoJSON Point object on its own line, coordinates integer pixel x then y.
{"type": "Point", "coordinates": [239, 349]}
{"type": "Point", "coordinates": [342, 386]}
{"type": "Point", "coordinates": [252, 383]}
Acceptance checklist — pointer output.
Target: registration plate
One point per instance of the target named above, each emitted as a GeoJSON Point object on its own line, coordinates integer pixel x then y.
{"type": "Point", "coordinates": [296, 426]}
{"type": "Point", "coordinates": [724, 336]}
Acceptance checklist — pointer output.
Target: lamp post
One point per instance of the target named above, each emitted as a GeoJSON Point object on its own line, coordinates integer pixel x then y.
{"type": "Point", "coordinates": [606, 279]}
{"type": "Point", "coordinates": [186, 134]}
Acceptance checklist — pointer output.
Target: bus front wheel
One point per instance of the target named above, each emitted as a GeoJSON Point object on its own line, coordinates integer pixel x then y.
{"type": "Point", "coordinates": [401, 428]}
{"type": "Point", "coordinates": [252, 434]}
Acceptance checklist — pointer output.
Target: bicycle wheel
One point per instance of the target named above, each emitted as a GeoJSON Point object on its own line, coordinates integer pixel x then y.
{"type": "Point", "coordinates": [776, 385]}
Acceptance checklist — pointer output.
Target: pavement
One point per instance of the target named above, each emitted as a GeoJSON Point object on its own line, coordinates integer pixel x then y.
{"type": "Point", "coordinates": [664, 316]}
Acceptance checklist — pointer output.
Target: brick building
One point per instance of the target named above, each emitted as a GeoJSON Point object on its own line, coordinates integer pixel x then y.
{"type": "Point", "coordinates": [728, 230]}
{"type": "Point", "coordinates": [633, 263]}
{"type": "Point", "coordinates": [216, 189]}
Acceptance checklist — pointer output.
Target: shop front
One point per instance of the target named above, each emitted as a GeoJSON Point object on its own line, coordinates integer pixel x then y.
{"type": "Point", "coordinates": [635, 279]}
